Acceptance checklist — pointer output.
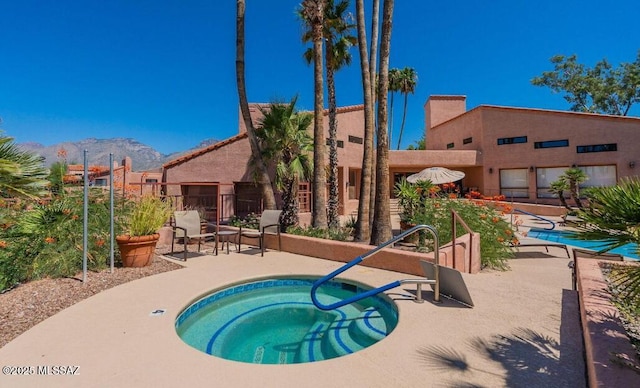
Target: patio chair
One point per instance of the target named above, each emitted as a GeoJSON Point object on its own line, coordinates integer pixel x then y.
{"type": "Point", "coordinates": [269, 224]}
{"type": "Point", "coordinates": [587, 254]}
{"type": "Point", "coordinates": [188, 227]}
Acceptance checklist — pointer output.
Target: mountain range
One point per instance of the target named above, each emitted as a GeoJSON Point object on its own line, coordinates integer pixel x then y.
{"type": "Point", "coordinates": [143, 157]}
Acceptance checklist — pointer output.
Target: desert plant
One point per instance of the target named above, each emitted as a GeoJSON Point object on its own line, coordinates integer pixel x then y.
{"type": "Point", "coordinates": [496, 235]}
{"type": "Point", "coordinates": [46, 239]}
{"type": "Point", "coordinates": [613, 217]}
{"type": "Point", "coordinates": [21, 173]}
{"type": "Point", "coordinates": [573, 177]}
{"type": "Point", "coordinates": [147, 215]}
{"type": "Point", "coordinates": [558, 188]}
{"type": "Point", "coordinates": [412, 197]}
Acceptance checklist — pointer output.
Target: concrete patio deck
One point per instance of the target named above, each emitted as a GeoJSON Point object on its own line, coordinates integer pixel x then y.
{"type": "Point", "coordinates": [523, 331]}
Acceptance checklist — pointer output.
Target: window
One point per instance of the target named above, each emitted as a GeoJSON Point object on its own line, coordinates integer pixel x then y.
{"type": "Point", "coordinates": [151, 180]}
{"type": "Point", "coordinates": [512, 140]}
{"type": "Point", "coordinates": [514, 183]}
{"type": "Point", "coordinates": [450, 145]}
{"type": "Point", "coordinates": [100, 182]}
{"type": "Point", "coordinates": [597, 148]}
{"type": "Point", "coordinates": [467, 140]}
{"type": "Point", "coordinates": [599, 176]}
{"type": "Point", "coordinates": [551, 144]}
{"type": "Point", "coordinates": [355, 139]}
{"type": "Point", "coordinates": [544, 177]}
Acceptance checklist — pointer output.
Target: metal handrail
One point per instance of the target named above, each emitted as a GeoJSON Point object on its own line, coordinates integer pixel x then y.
{"type": "Point", "coordinates": [397, 283]}
{"type": "Point", "coordinates": [456, 217]}
{"type": "Point", "coordinates": [553, 224]}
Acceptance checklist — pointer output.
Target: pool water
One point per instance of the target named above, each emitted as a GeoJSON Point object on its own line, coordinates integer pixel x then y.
{"type": "Point", "coordinates": [564, 237]}
{"type": "Point", "coordinates": [273, 321]}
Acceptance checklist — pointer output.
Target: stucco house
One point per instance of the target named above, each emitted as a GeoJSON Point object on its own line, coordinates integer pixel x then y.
{"type": "Point", "coordinates": [520, 151]}
{"type": "Point", "coordinates": [222, 170]}
{"type": "Point", "coordinates": [502, 150]}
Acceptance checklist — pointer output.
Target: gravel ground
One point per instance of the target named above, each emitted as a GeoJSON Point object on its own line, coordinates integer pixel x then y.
{"type": "Point", "coordinates": [28, 304]}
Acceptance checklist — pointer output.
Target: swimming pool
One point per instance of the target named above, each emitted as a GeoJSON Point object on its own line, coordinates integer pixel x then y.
{"type": "Point", "coordinates": [273, 321]}
{"type": "Point", "coordinates": [564, 237]}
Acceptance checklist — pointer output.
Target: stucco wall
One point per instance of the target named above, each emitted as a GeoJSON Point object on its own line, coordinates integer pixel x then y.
{"type": "Point", "coordinates": [467, 253]}
{"type": "Point", "coordinates": [439, 109]}
{"type": "Point", "coordinates": [486, 124]}
{"type": "Point", "coordinates": [226, 165]}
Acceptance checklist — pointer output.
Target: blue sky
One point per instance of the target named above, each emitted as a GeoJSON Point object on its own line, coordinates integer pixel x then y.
{"type": "Point", "coordinates": [163, 72]}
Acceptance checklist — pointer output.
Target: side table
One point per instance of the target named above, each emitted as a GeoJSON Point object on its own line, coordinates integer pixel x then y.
{"type": "Point", "coordinates": [225, 237]}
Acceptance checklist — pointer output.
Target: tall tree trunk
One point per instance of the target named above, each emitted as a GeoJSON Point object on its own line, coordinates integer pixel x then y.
{"type": "Point", "coordinates": [373, 61]}
{"type": "Point", "coordinates": [404, 116]}
{"type": "Point", "coordinates": [363, 231]}
{"type": "Point", "coordinates": [381, 230]}
{"type": "Point", "coordinates": [391, 116]}
{"type": "Point", "coordinates": [289, 202]}
{"type": "Point", "coordinates": [332, 209]}
{"type": "Point", "coordinates": [574, 190]}
{"type": "Point", "coordinates": [319, 212]}
{"type": "Point", "coordinates": [264, 181]}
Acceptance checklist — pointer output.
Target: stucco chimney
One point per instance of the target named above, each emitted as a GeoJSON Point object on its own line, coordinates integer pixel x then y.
{"type": "Point", "coordinates": [439, 109]}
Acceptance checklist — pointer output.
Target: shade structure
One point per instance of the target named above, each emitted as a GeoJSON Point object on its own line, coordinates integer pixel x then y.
{"type": "Point", "coordinates": [437, 175]}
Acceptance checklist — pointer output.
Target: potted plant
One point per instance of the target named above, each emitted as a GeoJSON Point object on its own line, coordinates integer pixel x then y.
{"type": "Point", "coordinates": [143, 219]}
{"type": "Point", "coordinates": [409, 200]}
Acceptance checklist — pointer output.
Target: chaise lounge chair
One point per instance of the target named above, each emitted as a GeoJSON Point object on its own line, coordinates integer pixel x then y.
{"type": "Point", "coordinates": [187, 226]}
{"type": "Point", "coordinates": [269, 223]}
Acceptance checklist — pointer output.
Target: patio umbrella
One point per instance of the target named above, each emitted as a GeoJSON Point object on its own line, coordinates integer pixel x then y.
{"type": "Point", "coordinates": [437, 175]}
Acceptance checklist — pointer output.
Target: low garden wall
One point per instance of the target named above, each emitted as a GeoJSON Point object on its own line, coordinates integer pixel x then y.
{"type": "Point", "coordinates": [467, 248]}
{"type": "Point", "coordinates": [605, 340]}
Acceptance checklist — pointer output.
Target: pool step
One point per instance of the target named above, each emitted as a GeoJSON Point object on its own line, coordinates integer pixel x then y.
{"type": "Point", "coordinates": [356, 333]}
{"type": "Point", "coordinates": [368, 328]}
{"type": "Point", "coordinates": [351, 331]}
{"type": "Point", "coordinates": [311, 346]}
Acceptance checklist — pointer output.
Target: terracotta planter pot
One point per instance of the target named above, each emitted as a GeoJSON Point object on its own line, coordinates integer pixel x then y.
{"type": "Point", "coordinates": [137, 251]}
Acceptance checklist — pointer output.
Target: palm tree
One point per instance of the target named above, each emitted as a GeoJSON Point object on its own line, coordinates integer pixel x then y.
{"type": "Point", "coordinates": [406, 84]}
{"type": "Point", "coordinates": [419, 144]}
{"type": "Point", "coordinates": [573, 177]}
{"type": "Point", "coordinates": [394, 87]}
{"type": "Point", "coordinates": [381, 230]}
{"type": "Point", "coordinates": [338, 41]}
{"type": "Point", "coordinates": [373, 61]}
{"type": "Point", "coordinates": [362, 225]}
{"type": "Point", "coordinates": [558, 188]}
{"type": "Point", "coordinates": [22, 174]}
{"type": "Point", "coordinates": [312, 13]}
{"type": "Point", "coordinates": [263, 179]}
{"type": "Point", "coordinates": [613, 216]}
{"type": "Point", "coordinates": [286, 143]}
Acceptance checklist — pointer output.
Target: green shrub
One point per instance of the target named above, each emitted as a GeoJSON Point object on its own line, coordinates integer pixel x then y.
{"type": "Point", "coordinates": [338, 234]}
{"type": "Point", "coordinates": [251, 221]}
{"type": "Point", "coordinates": [146, 215]}
{"type": "Point", "coordinates": [46, 239]}
{"type": "Point", "coordinates": [496, 235]}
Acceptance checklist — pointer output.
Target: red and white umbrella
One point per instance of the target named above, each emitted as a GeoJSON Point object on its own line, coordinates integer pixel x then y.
{"type": "Point", "coordinates": [437, 175]}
